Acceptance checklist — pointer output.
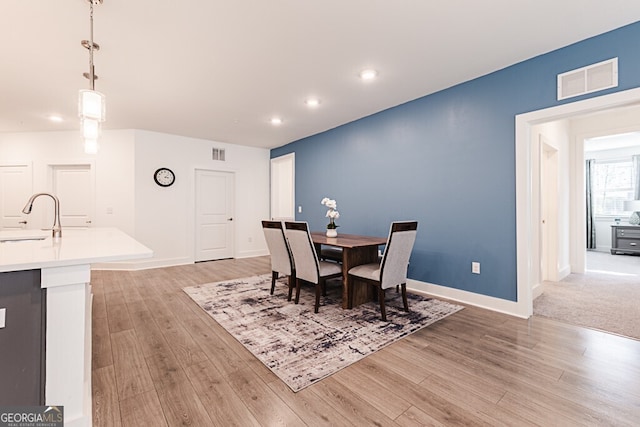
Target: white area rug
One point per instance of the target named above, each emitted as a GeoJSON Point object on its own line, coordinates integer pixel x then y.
{"type": "Point", "coordinates": [301, 347]}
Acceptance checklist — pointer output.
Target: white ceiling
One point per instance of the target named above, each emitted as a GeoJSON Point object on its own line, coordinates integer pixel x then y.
{"type": "Point", "coordinates": [612, 142]}
{"type": "Point", "coordinates": [219, 70]}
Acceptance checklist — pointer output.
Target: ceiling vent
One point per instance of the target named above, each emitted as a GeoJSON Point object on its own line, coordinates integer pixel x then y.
{"type": "Point", "coordinates": [218, 154]}
{"type": "Point", "coordinates": [591, 78]}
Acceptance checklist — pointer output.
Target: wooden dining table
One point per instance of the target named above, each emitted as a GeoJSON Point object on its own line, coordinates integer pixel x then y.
{"type": "Point", "coordinates": [356, 250]}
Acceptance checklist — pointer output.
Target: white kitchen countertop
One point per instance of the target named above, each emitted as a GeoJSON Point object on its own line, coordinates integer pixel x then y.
{"type": "Point", "coordinates": [75, 247]}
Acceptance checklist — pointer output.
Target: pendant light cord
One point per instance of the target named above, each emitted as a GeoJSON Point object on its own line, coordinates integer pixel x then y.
{"type": "Point", "coordinates": [91, 71]}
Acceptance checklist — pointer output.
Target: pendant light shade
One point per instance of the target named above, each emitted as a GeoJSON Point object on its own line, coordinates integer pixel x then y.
{"type": "Point", "coordinates": [90, 146]}
{"type": "Point", "coordinates": [91, 105]}
{"type": "Point", "coordinates": [90, 128]}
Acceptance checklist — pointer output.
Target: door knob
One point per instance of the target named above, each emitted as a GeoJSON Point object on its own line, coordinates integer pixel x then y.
{"type": "Point", "coordinates": [229, 219]}
{"type": "Point", "coordinates": [22, 222]}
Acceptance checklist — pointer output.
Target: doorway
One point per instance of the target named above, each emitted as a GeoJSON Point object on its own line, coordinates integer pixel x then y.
{"type": "Point", "coordinates": [214, 210]}
{"type": "Point", "coordinates": [602, 294]}
{"type": "Point", "coordinates": [16, 186]}
{"type": "Point", "coordinates": [613, 182]}
{"type": "Point", "coordinates": [526, 226]}
{"type": "Point", "coordinates": [74, 186]}
{"type": "Point", "coordinates": [548, 210]}
{"type": "Point", "coordinates": [283, 188]}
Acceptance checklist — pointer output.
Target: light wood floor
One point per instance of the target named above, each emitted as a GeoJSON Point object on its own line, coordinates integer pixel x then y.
{"type": "Point", "coordinates": [158, 359]}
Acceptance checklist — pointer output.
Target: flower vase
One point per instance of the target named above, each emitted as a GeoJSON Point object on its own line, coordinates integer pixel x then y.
{"type": "Point", "coordinates": [332, 232]}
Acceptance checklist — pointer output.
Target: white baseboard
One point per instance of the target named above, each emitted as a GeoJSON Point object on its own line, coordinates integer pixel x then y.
{"type": "Point", "coordinates": [465, 297]}
{"type": "Point", "coordinates": [536, 291]}
{"type": "Point", "coordinates": [141, 264]}
{"type": "Point", "coordinates": [564, 272]}
{"type": "Point", "coordinates": [252, 254]}
{"type": "Point", "coordinates": [602, 249]}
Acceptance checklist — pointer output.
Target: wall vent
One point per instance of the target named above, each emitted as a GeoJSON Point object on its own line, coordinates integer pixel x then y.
{"type": "Point", "coordinates": [591, 78]}
{"type": "Point", "coordinates": [218, 154]}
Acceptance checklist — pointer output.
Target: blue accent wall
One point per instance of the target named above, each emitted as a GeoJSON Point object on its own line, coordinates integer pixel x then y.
{"type": "Point", "coordinates": [448, 161]}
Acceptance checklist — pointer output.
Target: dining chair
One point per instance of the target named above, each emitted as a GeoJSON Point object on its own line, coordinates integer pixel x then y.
{"type": "Point", "coordinates": [392, 269]}
{"type": "Point", "coordinates": [281, 259]}
{"type": "Point", "coordinates": [308, 267]}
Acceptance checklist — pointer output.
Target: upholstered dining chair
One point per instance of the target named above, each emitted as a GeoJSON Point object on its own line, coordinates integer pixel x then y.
{"type": "Point", "coordinates": [392, 269]}
{"type": "Point", "coordinates": [281, 259]}
{"type": "Point", "coordinates": [308, 267]}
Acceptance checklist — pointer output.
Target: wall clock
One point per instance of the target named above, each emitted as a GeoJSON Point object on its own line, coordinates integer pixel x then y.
{"type": "Point", "coordinates": [164, 177]}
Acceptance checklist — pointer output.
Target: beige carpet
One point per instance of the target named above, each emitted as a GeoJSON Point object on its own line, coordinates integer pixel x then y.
{"type": "Point", "coordinates": [606, 297]}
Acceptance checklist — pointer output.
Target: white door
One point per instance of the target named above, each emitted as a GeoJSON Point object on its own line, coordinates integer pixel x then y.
{"type": "Point", "coordinates": [16, 185]}
{"type": "Point", "coordinates": [549, 211]}
{"type": "Point", "coordinates": [73, 185]}
{"type": "Point", "coordinates": [214, 215]}
{"type": "Point", "coordinates": [283, 188]}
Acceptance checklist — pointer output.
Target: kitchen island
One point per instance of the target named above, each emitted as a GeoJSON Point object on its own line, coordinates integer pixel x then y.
{"type": "Point", "coordinates": [57, 273]}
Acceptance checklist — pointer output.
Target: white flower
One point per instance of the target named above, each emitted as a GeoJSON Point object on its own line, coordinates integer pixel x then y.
{"type": "Point", "coordinates": [330, 203]}
{"type": "Point", "coordinates": [332, 213]}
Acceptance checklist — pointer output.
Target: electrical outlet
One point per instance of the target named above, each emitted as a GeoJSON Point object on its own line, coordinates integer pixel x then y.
{"type": "Point", "coordinates": [475, 267]}
{"type": "Point", "coordinates": [250, 239]}
{"type": "Point", "coordinates": [3, 316]}
{"type": "Point", "coordinates": [300, 209]}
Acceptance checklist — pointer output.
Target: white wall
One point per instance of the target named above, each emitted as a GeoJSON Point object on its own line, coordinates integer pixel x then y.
{"type": "Point", "coordinates": [114, 168]}
{"type": "Point", "coordinates": [161, 218]}
{"type": "Point", "coordinates": [165, 216]}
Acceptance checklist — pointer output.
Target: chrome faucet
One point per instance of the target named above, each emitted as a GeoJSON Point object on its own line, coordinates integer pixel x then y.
{"type": "Point", "coordinates": [56, 229]}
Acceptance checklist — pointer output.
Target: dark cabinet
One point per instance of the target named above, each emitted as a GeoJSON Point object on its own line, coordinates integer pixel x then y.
{"type": "Point", "coordinates": [625, 239]}
{"type": "Point", "coordinates": [22, 340]}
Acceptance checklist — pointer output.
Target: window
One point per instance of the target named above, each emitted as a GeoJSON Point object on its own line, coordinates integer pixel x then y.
{"type": "Point", "coordinates": [612, 184]}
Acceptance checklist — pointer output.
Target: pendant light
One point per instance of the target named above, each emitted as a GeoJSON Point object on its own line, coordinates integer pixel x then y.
{"type": "Point", "coordinates": [91, 103]}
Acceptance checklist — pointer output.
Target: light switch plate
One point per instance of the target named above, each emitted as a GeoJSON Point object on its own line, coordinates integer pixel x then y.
{"type": "Point", "coordinates": [475, 267]}
{"type": "Point", "coordinates": [3, 316]}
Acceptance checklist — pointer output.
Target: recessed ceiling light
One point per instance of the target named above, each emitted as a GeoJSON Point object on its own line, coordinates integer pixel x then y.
{"type": "Point", "coordinates": [312, 102]}
{"type": "Point", "coordinates": [276, 121]}
{"type": "Point", "coordinates": [368, 74]}
{"type": "Point", "coordinates": [56, 119]}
